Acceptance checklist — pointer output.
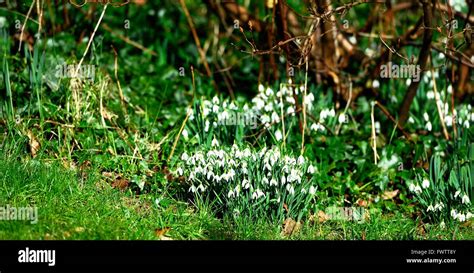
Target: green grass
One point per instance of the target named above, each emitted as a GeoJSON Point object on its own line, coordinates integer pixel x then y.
{"type": "Point", "coordinates": [70, 207]}
{"type": "Point", "coordinates": [74, 207]}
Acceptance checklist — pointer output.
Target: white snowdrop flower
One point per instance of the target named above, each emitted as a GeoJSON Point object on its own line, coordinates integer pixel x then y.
{"type": "Point", "coordinates": [3, 20]}
{"type": "Point", "coordinates": [265, 118]}
{"type": "Point", "coordinates": [268, 107]}
{"type": "Point", "coordinates": [283, 180]}
{"type": "Point", "coordinates": [458, 5]}
{"type": "Point", "coordinates": [438, 207]}
{"type": "Point", "coordinates": [210, 175]}
{"type": "Point", "coordinates": [456, 194]}
{"type": "Point", "coordinates": [353, 40]}
{"type": "Point", "coordinates": [426, 117]}
{"type": "Point", "coordinates": [454, 213]}
{"type": "Point", "coordinates": [215, 100]}
{"type": "Point", "coordinates": [214, 142]}
{"type": "Point", "coordinates": [261, 88]}
{"type": "Point", "coordinates": [265, 180]}
{"type": "Point", "coordinates": [442, 225]}
{"type": "Point", "coordinates": [245, 184]}
{"type": "Point", "coordinates": [179, 171]}
{"type": "Point", "coordinates": [259, 103]}
{"type": "Point", "coordinates": [418, 189]}
{"type": "Point", "coordinates": [314, 127]}
{"type": "Point", "coordinates": [446, 107]}
{"type": "Point", "coordinates": [332, 113]}
{"type": "Point", "coordinates": [269, 92]}
{"type": "Point", "coordinates": [465, 199]}
{"type": "Point", "coordinates": [375, 84]}
{"type": "Point", "coordinates": [300, 160]}
{"type": "Point", "coordinates": [275, 117]}
{"type": "Point", "coordinates": [303, 190]}
{"type": "Point", "coordinates": [430, 95]}
{"type": "Point", "coordinates": [206, 126]}
{"type": "Point", "coordinates": [469, 215]}
{"type": "Point", "coordinates": [461, 217]}
{"type": "Point", "coordinates": [466, 123]}
{"type": "Point", "coordinates": [184, 156]}
{"type": "Point", "coordinates": [192, 189]}
{"type": "Point", "coordinates": [205, 111]}
{"type": "Point", "coordinates": [323, 114]}
{"type": "Point", "coordinates": [312, 190]}
{"type": "Point", "coordinates": [342, 118]}
{"type": "Point", "coordinates": [290, 189]}
{"type": "Point", "coordinates": [311, 169]}
{"type": "Point", "coordinates": [411, 120]}
{"type": "Point", "coordinates": [429, 127]}
{"type": "Point", "coordinates": [450, 89]}
{"type": "Point", "coordinates": [290, 110]}
{"type": "Point", "coordinates": [369, 52]}
{"type": "Point", "coordinates": [201, 188]}
{"type": "Point", "coordinates": [273, 182]}
{"type": "Point", "coordinates": [215, 108]}
{"type": "Point", "coordinates": [278, 135]}
{"type": "Point", "coordinates": [449, 121]}
{"type": "Point", "coordinates": [441, 56]}
{"type": "Point", "coordinates": [377, 127]}
{"type": "Point", "coordinates": [259, 193]}
{"type": "Point", "coordinates": [427, 76]}
{"type": "Point", "coordinates": [430, 208]}
{"type": "Point", "coordinates": [425, 184]}
{"type": "Point", "coordinates": [185, 134]}
{"type": "Point", "coordinates": [230, 194]}
{"type": "Point", "coordinates": [408, 82]}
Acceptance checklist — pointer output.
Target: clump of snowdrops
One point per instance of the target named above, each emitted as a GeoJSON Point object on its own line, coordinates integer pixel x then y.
{"type": "Point", "coordinates": [250, 183]}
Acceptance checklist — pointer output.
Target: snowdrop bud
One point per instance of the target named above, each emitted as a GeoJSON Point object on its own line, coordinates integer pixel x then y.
{"type": "Point", "coordinates": [426, 117]}
{"type": "Point", "coordinates": [465, 199]}
{"type": "Point", "coordinates": [375, 84]}
{"type": "Point", "coordinates": [342, 118]}
{"type": "Point", "coordinates": [429, 127]}
{"type": "Point", "coordinates": [425, 184]}
{"type": "Point", "coordinates": [312, 190]}
{"type": "Point", "coordinates": [300, 160]}
{"type": "Point", "coordinates": [278, 135]}
{"type": "Point", "coordinates": [184, 156]}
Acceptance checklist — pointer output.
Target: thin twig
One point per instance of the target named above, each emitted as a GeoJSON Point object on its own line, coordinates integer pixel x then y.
{"type": "Point", "coordinates": [24, 24]}
{"type": "Point", "coordinates": [91, 39]}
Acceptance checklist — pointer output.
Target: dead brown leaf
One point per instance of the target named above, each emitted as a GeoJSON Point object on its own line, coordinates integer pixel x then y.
{"type": "Point", "coordinates": [161, 233]}
{"type": "Point", "coordinates": [390, 194]}
{"type": "Point", "coordinates": [290, 227]}
{"type": "Point", "coordinates": [120, 183]}
{"type": "Point", "coordinates": [362, 203]}
{"type": "Point", "coordinates": [33, 143]}
{"type": "Point", "coordinates": [322, 217]}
